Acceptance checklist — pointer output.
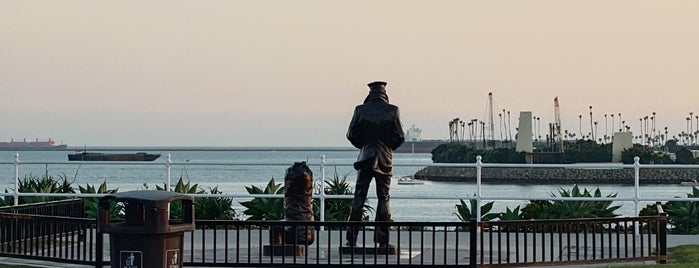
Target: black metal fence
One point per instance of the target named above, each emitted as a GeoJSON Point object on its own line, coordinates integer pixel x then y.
{"type": "Point", "coordinates": [548, 242]}
{"type": "Point", "coordinates": [273, 243]}
{"type": "Point", "coordinates": [53, 231]}
{"type": "Point", "coordinates": [68, 207]}
{"type": "Point", "coordinates": [253, 243]}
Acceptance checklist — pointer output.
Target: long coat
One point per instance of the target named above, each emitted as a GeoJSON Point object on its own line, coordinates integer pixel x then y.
{"type": "Point", "coordinates": [376, 130]}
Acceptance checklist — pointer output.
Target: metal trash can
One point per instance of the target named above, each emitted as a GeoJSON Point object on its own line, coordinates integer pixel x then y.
{"type": "Point", "coordinates": [147, 237]}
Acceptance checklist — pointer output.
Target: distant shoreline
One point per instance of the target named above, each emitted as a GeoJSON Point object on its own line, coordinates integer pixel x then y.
{"type": "Point", "coordinates": [542, 175]}
{"type": "Point", "coordinates": [188, 148]}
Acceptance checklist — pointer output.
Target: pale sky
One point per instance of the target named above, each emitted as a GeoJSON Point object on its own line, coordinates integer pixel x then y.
{"type": "Point", "coordinates": [289, 73]}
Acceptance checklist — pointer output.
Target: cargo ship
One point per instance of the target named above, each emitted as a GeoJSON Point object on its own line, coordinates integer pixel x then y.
{"type": "Point", "coordinates": [35, 145]}
{"type": "Point", "coordinates": [415, 144]}
{"type": "Point", "coordinates": [86, 156]}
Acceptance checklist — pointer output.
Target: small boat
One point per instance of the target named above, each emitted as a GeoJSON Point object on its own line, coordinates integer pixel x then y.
{"type": "Point", "coordinates": [85, 156]}
{"type": "Point", "coordinates": [410, 181]}
{"type": "Point", "coordinates": [690, 183]}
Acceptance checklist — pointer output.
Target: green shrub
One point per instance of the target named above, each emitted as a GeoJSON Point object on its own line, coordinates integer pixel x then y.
{"type": "Point", "coordinates": [557, 209]}
{"type": "Point", "coordinates": [45, 184]}
{"type": "Point", "coordinates": [92, 203]}
{"type": "Point", "coordinates": [214, 208]}
{"type": "Point", "coordinates": [264, 208]}
{"type": "Point", "coordinates": [511, 215]}
{"type": "Point", "coordinates": [176, 211]}
{"type": "Point", "coordinates": [684, 215]}
{"type": "Point", "coordinates": [464, 211]}
{"type": "Point", "coordinates": [205, 208]}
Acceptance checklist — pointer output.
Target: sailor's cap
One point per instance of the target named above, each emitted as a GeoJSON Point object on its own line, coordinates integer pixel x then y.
{"type": "Point", "coordinates": [377, 85]}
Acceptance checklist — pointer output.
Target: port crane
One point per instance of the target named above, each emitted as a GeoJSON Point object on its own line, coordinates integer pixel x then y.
{"type": "Point", "coordinates": [491, 124]}
{"type": "Point", "coordinates": [557, 116]}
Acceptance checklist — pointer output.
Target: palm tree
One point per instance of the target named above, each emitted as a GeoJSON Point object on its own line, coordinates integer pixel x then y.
{"type": "Point", "coordinates": [640, 120]}
{"type": "Point", "coordinates": [652, 119]}
{"type": "Point", "coordinates": [605, 128]}
{"type": "Point", "coordinates": [688, 130]}
{"type": "Point", "coordinates": [645, 123]}
{"type": "Point", "coordinates": [538, 126]}
{"type": "Point", "coordinates": [690, 122]}
{"type": "Point", "coordinates": [594, 133]}
{"type": "Point", "coordinates": [500, 125]}
{"type": "Point", "coordinates": [621, 127]}
{"type": "Point", "coordinates": [470, 130]}
{"type": "Point", "coordinates": [451, 131]}
{"type": "Point", "coordinates": [612, 123]}
{"type": "Point", "coordinates": [591, 130]}
{"type": "Point", "coordinates": [509, 127]}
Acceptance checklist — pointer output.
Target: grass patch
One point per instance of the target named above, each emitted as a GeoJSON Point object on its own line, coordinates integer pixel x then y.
{"type": "Point", "coordinates": [678, 257]}
{"type": "Point", "coordinates": [683, 254]}
{"type": "Point", "coordinates": [676, 265]}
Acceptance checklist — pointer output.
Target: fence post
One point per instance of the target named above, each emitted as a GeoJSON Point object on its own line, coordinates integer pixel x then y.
{"type": "Point", "coordinates": [473, 240]}
{"type": "Point", "coordinates": [169, 168]}
{"type": "Point", "coordinates": [479, 167]}
{"type": "Point", "coordinates": [99, 247]}
{"type": "Point", "coordinates": [637, 188]}
{"type": "Point", "coordinates": [662, 234]}
{"type": "Point", "coordinates": [16, 195]}
{"type": "Point", "coordinates": [322, 190]}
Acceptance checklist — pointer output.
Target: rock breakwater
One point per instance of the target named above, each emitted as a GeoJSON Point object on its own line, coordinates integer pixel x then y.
{"type": "Point", "coordinates": [537, 175]}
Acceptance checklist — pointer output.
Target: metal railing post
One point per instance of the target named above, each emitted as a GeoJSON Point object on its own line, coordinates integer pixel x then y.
{"type": "Point", "coordinates": [479, 167]}
{"type": "Point", "coordinates": [637, 188]}
{"type": "Point", "coordinates": [16, 195]}
{"type": "Point", "coordinates": [169, 168]}
{"type": "Point", "coordinates": [322, 189]}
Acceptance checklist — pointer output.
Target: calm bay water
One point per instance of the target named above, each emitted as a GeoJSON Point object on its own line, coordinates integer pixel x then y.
{"type": "Point", "coordinates": [232, 179]}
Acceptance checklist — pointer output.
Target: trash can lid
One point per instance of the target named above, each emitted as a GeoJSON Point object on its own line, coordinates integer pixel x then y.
{"type": "Point", "coordinates": [149, 197]}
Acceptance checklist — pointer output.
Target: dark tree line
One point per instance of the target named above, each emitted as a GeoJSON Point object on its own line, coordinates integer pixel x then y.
{"type": "Point", "coordinates": [580, 151]}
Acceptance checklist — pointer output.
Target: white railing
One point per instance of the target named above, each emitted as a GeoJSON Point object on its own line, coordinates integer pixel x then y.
{"type": "Point", "coordinates": [320, 194]}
